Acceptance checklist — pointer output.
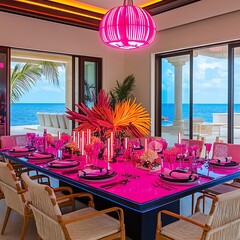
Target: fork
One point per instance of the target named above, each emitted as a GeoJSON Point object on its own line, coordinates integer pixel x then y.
{"type": "Point", "coordinates": [156, 184]}
{"type": "Point", "coordinates": [168, 185]}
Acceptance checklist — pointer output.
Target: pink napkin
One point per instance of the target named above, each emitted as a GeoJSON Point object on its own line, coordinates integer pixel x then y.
{"type": "Point", "coordinates": [155, 146]}
{"type": "Point", "coordinates": [19, 149]}
{"type": "Point", "coordinates": [92, 172]}
{"type": "Point", "coordinates": [62, 163]}
{"type": "Point", "coordinates": [39, 155]}
{"type": "Point", "coordinates": [179, 175]}
{"type": "Point", "coordinates": [221, 159]}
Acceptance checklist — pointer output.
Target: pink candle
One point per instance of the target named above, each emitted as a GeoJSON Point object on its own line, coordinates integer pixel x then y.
{"type": "Point", "coordinates": [108, 149]}
{"type": "Point", "coordinates": [78, 139]}
{"type": "Point", "coordinates": [179, 138]}
{"type": "Point", "coordinates": [125, 143]}
{"type": "Point", "coordinates": [82, 150]}
{"type": "Point", "coordinates": [59, 135]}
{"type": "Point", "coordinates": [88, 136]}
{"type": "Point", "coordinates": [145, 144]}
{"type": "Point", "coordinates": [74, 136]}
{"type": "Point", "coordinates": [111, 145]}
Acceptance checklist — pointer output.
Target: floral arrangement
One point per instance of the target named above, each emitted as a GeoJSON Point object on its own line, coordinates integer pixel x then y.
{"type": "Point", "coordinates": [126, 117]}
{"type": "Point", "coordinates": [72, 148]}
{"type": "Point", "coordinates": [96, 141]}
{"type": "Point", "coordinates": [65, 137]}
{"type": "Point", "coordinates": [171, 154]}
{"type": "Point", "coordinates": [149, 156]}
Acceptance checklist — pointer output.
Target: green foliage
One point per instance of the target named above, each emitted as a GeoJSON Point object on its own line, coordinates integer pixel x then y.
{"type": "Point", "coordinates": [122, 91]}
{"type": "Point", "coordinates": [25, 76]}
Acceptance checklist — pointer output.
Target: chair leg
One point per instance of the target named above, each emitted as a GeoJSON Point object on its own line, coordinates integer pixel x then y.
{"type": "Point", "coordinates": [203, 202]}
{"type": "Point", "coordinates": [8, 211]}
{"type": "Point", "coordinates": [26, 219]}
{"type": "Point", "coordinates": [193, 200]}
{"type": "Point", "coordinates": [73, 205]}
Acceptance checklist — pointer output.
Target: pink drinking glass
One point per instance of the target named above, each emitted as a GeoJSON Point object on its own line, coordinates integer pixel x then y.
{"type": "Point", "coordinates": [58, 143]}
{"type": "Point", "coordinates": [208, 147]}
{"type": "Point", "coordinates": [181, 152]}
{"type": "Point", "coordinates": [89, 153]}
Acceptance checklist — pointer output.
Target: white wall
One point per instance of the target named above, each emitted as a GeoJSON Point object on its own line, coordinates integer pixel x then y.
{"type": "Point", "coordinates": [30, 33]}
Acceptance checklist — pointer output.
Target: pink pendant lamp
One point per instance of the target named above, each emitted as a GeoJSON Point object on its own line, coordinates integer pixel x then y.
{"type": "Point", "coordinates": [127, 27]}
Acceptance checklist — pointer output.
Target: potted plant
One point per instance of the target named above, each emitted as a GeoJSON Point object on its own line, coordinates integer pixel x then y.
{"type": "Point", "coordinates": [123, 91]}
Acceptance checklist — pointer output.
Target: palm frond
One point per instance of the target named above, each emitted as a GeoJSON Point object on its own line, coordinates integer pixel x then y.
{"type": "Point", "coordinates": [127, 116]}
{"type": "Point", "coordinates": [23, 77]}
{"type": "Point", "coordinates": [122, 91]}
{"type": "Point", "coordinates": [50, 71]}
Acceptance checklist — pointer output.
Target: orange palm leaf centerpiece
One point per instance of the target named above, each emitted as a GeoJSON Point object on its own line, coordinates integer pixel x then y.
{"type": "Point", "coordinates": [127, 117]}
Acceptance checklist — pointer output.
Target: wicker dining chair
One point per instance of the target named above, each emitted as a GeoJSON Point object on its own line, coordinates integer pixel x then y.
{"type": "Point", "coordinates": [16, 194]}
{"type": "Point", "coordinates": [15, 197]}
{"type": "Point", "coordinates": [11, 141]}
{"type": "Point", "coordinates": [21, 140]}
{"type": "Point", "coordinates": [8, 141]}
{"type": "Point", "coordinates": [193, 142]}
{"type": "Point", "coordinates": [86, 223]}
{"type": "Point", "coordinates": [222, 222]}
{"type": "Point", "coordinates": [221, 149]}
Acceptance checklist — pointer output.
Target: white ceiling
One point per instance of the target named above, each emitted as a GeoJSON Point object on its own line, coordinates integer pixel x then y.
{"type": "Point", "coordinates": [108, 4]}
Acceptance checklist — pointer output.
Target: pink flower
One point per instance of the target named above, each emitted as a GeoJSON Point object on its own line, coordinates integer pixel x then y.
{"type": "Point", "coordinates": [49, 138]}
{"type": "Point", "coordinates": [65, 137]}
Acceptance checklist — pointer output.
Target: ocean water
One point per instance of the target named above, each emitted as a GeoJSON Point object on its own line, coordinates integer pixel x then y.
{"type": "Point", "coordinates": [25, 113]}
{"type": "Point", "coordinates": [199, 111]}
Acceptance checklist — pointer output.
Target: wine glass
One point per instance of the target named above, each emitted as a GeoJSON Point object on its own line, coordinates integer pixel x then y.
{"type": "Point", "coordinates": [208, 147]}
{"type": "Point", "coordinates": [181, 150]}
{"type": "Point", "coordinates": [89, 149]}
{"type": "Point", "coordinates": [31, 138]}
{"type": "Point", "coordinates": [58, 143]}
{"type": "Point", "coordinates": [38, 144]}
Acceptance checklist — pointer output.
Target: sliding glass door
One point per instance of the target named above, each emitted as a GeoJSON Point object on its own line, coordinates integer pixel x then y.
{"type": "Point", "coordinates": [210, 93]}
{"type": "Point", "coordinates": [197, 94]}
{"type": "Point", "coordinates": [236, 99]}
{"type": "Point", "coordinates": [175, 97]}
{"type": "Point", "coordinates": [4, 91]}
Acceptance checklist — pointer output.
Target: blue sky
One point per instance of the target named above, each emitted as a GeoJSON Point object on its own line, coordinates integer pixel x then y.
{"type": "Point", "coordinates": [210, 80]}
{"type": "Point", "coordinates": [43, 92]}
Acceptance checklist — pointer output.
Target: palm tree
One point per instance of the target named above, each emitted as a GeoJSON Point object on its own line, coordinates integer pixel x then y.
{"type": "Point", "coordinates": [123, 91]}
{"type": "Point", "coordinates": [25, 76]}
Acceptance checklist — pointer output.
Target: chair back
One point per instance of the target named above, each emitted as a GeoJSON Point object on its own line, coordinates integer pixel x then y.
{"type": "Point", "coordinates": [13, 193]}
{"type": "Point", "coordinates": [45, 209]}
{"type": "Point", "coordinates": [234, 152]}
{"type": "Point", "coordinates": [221, 149]}
{"type": "Point", "coordinates": [193, 142]}
{"type": "Point", "coordinates": [7, 142]}
{"type": "Point", "coordinates": [13, 141]}
{"type": "Point", "coordinates": [225, 221]}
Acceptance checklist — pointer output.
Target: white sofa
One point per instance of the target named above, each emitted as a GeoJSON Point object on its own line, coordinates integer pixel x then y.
{"type": "Point", "coordinates": [53, 122]}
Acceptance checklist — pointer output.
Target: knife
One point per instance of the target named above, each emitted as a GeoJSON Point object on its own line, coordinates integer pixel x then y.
{"type": "Point", "coordinates": [114, 184]}
{"type": "Point", "coordinates": [70, 171]}
{"type": "Point", "coordinates": [205, 176]}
